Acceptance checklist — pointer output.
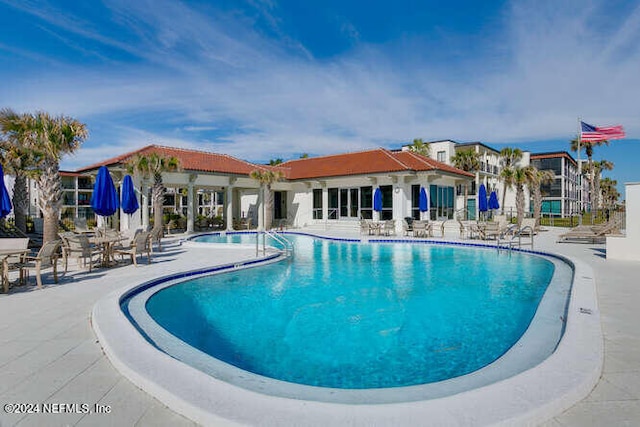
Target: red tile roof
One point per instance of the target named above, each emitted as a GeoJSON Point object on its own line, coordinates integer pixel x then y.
{"type": "Point", "coordinates": [189, 160]}
{"type": "Point", "coordinates": [365, 162]}
{"type": "Point", "coordinates": [360, 163]}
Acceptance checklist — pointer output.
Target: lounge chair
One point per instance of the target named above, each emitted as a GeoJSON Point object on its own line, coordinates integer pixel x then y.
{"type": "Point", "coordinates": [528, 227]}
{"type": "Point", "coordinates": [590, 234]}
{"type": "Point", "coordinates": [47, 257]}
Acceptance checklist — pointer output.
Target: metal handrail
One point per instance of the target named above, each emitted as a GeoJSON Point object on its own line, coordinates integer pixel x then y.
{"type": "Point", "coordinates": [286, 244]}
{"type": "Point", "coordinates": [515, 232]}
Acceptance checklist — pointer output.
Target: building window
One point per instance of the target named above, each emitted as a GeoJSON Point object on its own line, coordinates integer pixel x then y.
{"type": "Point", "coordinates": [333, 203]}
{"type": "Point", "coordinates": [317, 203]}
{"type": "Point", "coordinates": [387, 202]}
{"type": "Point", "coordinates": [441, 202]}
{"type": "Point", "coordinates": [366, 202]}
{"type": "Point", "coordinates": [415, 201]}
{"type": "Point", "coordinates": [441, 156]}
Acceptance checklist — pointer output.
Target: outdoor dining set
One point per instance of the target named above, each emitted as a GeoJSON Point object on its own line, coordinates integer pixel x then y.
{"type": "Point", "coordinates": [99, 248]}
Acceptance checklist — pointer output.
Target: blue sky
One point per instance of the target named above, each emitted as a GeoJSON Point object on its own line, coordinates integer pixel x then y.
{"type": "Point", "coordinates": [263, 79]}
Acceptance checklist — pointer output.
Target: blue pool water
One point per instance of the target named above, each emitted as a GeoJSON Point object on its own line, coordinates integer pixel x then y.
{"type": "Point", "coordinates": [360, 316]}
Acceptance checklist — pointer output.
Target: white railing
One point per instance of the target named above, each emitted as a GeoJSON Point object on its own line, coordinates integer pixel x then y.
{"type": "Point", "coordinates": [513, 235]}
{"type": "Point", "coordinates": [287, 246]}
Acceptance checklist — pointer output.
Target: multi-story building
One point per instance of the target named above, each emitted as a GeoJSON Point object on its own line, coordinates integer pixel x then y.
{"type": "Point", "coordinates": [488, 173]}
{"type": "Point", "coordinates": [563, 197]}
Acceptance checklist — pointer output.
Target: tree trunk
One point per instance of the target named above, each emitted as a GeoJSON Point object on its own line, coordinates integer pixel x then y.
{"type": "Point", "coordinates": [504, 197]}
{"type": "Point", "coordinates": [268, 207]}
{"type": "Point", "coordinates": [50, 199]}
{"type": "Point", "coordinates": [157, 197]}
{"type": "Point", "coordinates": [520, 203]}
{"type": "Point", "coordinates": [537, 205]}
{"type": "Point", "coordinates": [596, 191]}
{"type": "Point", "coordinates": [20, 202]}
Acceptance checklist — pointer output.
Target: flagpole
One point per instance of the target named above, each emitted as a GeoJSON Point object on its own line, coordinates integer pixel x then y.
{"type": "Point", "coordinates": [581, 206]}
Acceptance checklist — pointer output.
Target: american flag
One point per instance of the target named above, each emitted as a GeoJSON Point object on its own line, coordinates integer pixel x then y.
{"type": "Point", "coordinates": [590, 133]}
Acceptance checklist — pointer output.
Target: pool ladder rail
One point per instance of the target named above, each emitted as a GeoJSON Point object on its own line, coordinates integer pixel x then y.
{"type": "Point", "coordinates": [287, 246]}
{"type": "Point", "coordinates": [512, 237]}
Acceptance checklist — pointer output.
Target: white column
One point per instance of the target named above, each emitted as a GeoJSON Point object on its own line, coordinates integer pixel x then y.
{"type": "Point", "coordinates": [228, 207]}
{"type": "Point", "coordinates": [190, 203]}
{"type": "Point", "coordinates": [261, 207]}
{"type": "Point", "coordinates": [325, 204]}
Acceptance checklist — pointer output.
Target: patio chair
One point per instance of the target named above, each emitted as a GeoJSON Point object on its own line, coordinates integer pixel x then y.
{"type": "Point", "coordinates": [80, 225]}
{"type": "Point", "coordinates": [365, 227]}
{"type": "Point", "coordinates": [11, 262]}
{"type": "Point", "coordinates": [490, 230]}
{"type": "Point", "coordinates": [80, 246]}
{"type": "Point", "coordinates": [422, 229]}
{"type": "Point", "coordinates": [407, 225]}
{"type": "Point", "coordinates": [157, 234]}
{"type": "Point", "coordinates": [47, 257]}
{"type": "Point", "coordinates": [389, 227]}
{"type": "Point", "coordinates": [140, 244]}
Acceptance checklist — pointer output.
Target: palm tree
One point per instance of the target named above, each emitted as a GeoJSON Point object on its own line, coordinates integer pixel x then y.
{"type": "Point", "coordinates": [508, 158]}
{"type": "Point", "coordinates": [21, 162]}
{"type": "Point", "coordinates": [469, 161]}
{"type": "Point", "coordinates": [537, 179]}
{"type": "Point", "coordinates": [152, 166]}
{"type": "Point", "coordinates": [266, 177]}
{"type": "Point", "coordinates": [50, 137]}
{"type": "Point", "coordinates": [598, 167]}
{"type": "Point", "coordinates": [576, 144]}
{"type": "Point", "coordinates": [610, 194]}
{"type": "Point", "coordinates": [420, 147]}
{"type": "Point", "coordinates": [521, 177]}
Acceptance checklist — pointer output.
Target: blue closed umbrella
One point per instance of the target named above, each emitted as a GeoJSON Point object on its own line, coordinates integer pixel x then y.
{"type": "Point", "coordinates": [493, 201]}
{"type": "Point", "coordinates": [377, 200]}
{"type": "Point", "coordinates": [129, 199]}
{"type": "Point", "coordinates": [5, 200]}
{"type": "Point", "coordinates": [104, 199]}
{"type": "Point", "coordinates": [482, 199]}
{"type": "Point", "coordinates": [423, 201]}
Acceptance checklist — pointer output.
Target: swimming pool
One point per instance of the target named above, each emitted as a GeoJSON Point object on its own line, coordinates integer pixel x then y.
{"type": "Point", "coordinates": [365, 316]}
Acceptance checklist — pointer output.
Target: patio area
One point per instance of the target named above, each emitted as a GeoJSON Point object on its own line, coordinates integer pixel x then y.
{"type": "Point", "coordinates": [49, 352]}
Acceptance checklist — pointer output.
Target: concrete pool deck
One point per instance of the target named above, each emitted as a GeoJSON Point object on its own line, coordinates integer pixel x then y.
{"type": "Point", "coordinates": [49, 352]}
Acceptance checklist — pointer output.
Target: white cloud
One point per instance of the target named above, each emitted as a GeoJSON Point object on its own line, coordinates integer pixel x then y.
{"type": "Point", "coordinates": [210, 81]}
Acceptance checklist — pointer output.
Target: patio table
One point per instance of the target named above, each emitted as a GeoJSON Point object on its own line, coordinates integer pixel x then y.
{"type": "Point", "coordinates": [5, 254]}
{"type": "Point", "coordinates": [107, 243]}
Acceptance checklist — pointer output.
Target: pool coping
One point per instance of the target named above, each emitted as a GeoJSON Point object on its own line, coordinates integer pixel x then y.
{"type": "Point", "coordinates": [530, 397]}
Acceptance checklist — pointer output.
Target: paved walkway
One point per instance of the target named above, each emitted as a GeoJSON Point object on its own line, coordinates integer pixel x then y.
{"type": "Point", "coordinates": [49, 353]}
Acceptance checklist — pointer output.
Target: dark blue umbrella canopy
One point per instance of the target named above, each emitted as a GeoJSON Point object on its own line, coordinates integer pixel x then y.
{"type": "Point", "coordinates": [423, 202]}
{"type": "Point", "coordinates": [493, 201]}
{"type": "Point", "coordinates": [377, 200]}
{"type": "Point", "coordinates": [129, 199]}
{"type": "Point", "coordinates": [482, 199]}
{"type": "Point", "coordinates": [104, 199]}
{"type": "Point", "coordinates": [5, 200]}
